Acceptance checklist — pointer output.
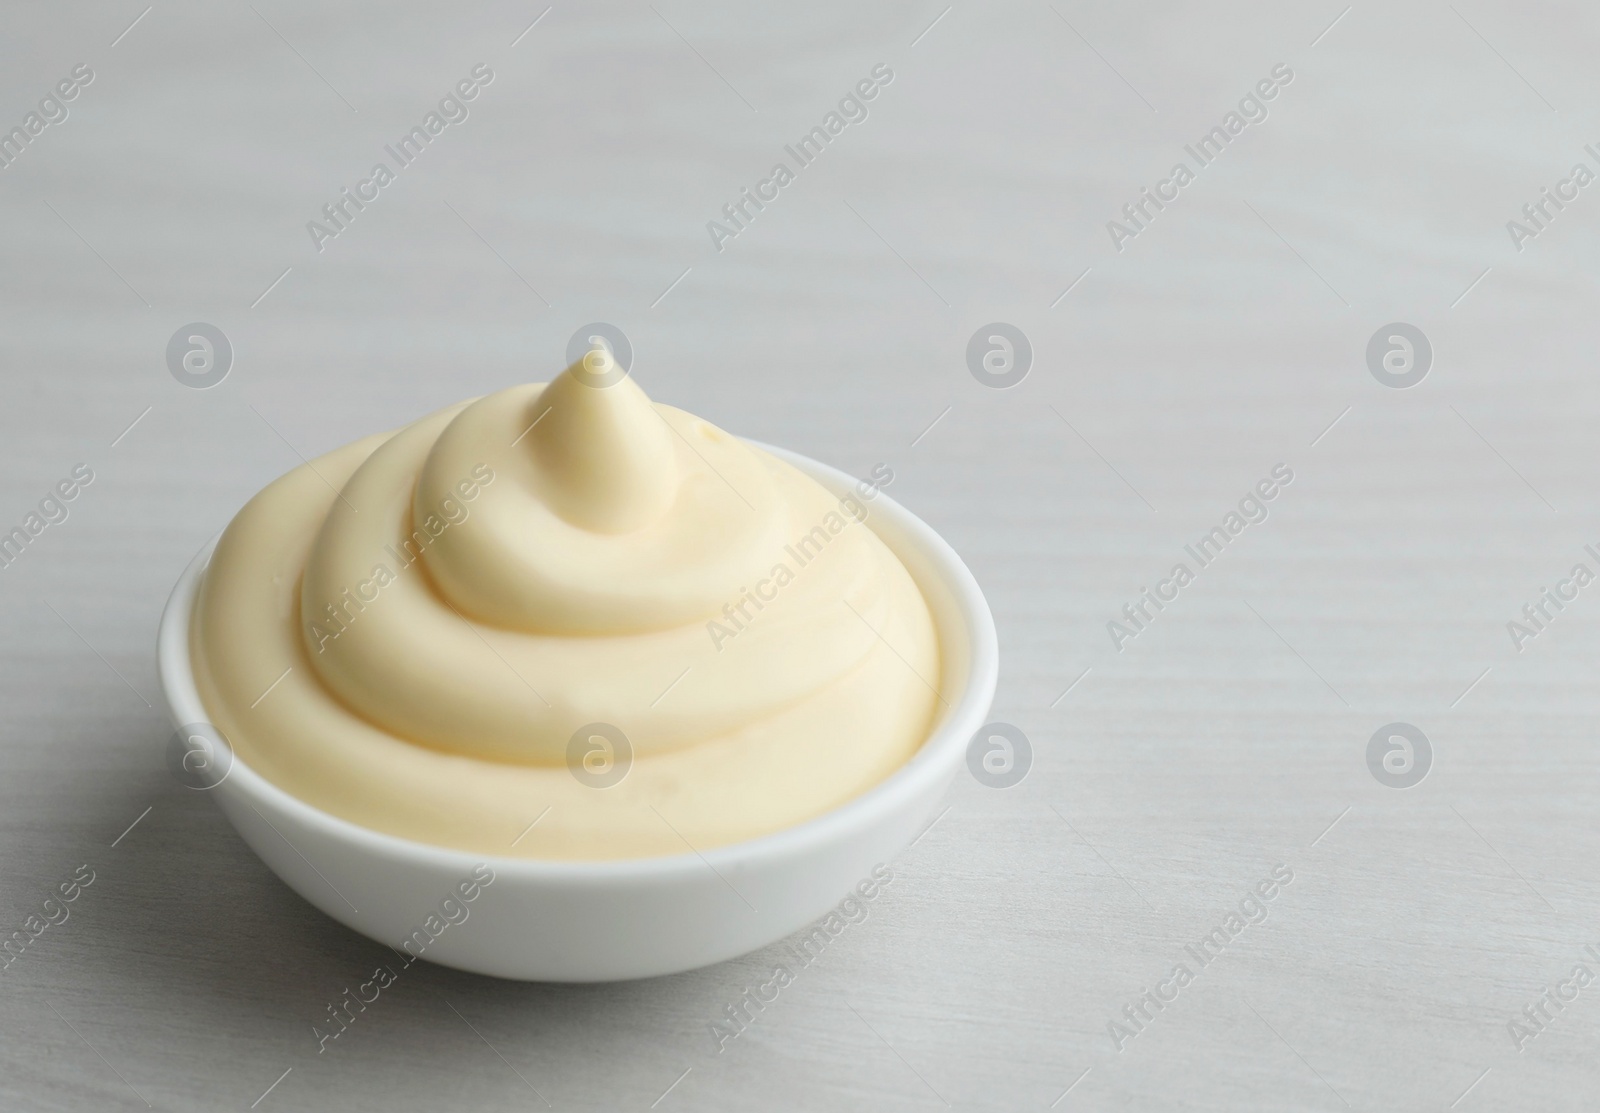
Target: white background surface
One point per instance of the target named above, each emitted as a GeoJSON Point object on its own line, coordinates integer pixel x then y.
{"type": "Point", "coordinates": [1223, 740]}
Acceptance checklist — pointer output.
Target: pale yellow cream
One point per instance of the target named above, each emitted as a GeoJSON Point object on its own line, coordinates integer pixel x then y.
{"type": "Point", "coordinates": [409, 631]}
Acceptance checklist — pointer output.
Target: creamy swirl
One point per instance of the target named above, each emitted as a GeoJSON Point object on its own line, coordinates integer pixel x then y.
{"type": "Point", "coordinates": [446, 605]}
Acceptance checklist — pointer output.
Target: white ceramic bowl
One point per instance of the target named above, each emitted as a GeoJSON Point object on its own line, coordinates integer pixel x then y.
{"type": "Point", "coordinates": [609, 920]}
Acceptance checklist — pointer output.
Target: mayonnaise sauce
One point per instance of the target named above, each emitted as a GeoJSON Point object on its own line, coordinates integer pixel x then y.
{"type": "Point", "coordinates": [408, 631]}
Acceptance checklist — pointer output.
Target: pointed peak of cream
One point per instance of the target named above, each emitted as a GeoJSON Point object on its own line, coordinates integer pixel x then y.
{"type": "Point", "coordinates": [597, 363]}
{"type": "Point", "coordinates": [605, 457]}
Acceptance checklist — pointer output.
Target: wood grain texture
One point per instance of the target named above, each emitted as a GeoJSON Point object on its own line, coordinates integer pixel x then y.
{"type": "Point", "coordinates": [1227, 337]}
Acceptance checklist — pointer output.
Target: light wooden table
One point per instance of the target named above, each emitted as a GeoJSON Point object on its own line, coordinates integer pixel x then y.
{"type": "Point", "coordinates": [1170, 775]}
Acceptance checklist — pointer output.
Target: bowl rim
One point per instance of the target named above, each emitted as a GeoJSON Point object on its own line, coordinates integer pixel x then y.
{"type": "Point", "coordinates": [931, 761]}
